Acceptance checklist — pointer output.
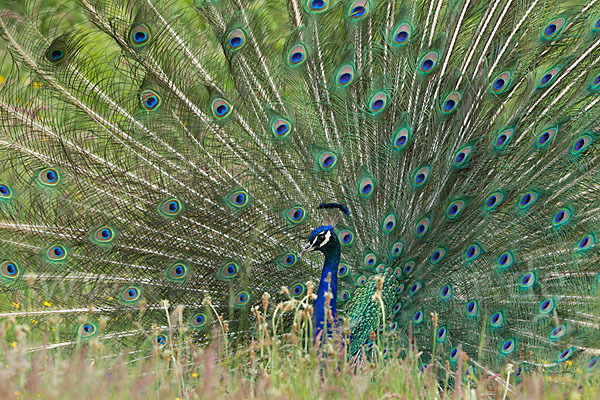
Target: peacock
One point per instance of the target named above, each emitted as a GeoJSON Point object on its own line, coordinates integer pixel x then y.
{"type": "Point", "coordinates": [431, 167]}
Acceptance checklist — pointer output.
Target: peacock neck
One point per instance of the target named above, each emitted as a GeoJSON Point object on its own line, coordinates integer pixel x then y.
{"type": "Point", "coordinates": [328, 283]}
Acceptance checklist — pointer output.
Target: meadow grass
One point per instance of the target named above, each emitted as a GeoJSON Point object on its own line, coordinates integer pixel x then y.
{"type": "Point", "coordinates": [279, 363]}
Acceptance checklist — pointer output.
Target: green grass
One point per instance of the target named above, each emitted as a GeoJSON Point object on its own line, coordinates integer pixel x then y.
{"type": "Point", "coordinates": [277, 364]}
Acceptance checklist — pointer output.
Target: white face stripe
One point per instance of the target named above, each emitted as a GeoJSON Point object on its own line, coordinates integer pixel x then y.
{"type": "Point", "coordinates": [327, 237]}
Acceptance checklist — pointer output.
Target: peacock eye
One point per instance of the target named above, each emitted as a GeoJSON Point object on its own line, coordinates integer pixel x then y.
{"type": "Point", "coordinates": [503, 138]}
{"type": "Point", "coordinates": [170, 208]}
{"type": "Point", "coordinates": [241, 299]}
{"type": "Point", "coordinates": [140, 35]}
{"type": "Point", "coordinates": [221, 108]}
{"type": "Point", "coordinates": [5, 192]}
{"type": "Point", "coordinates": [298, 290]}
{"type": "Point", "coordinates": [343, 270]}
{"type": "Point", "coordinates": [198, 321]}
{"type": "Point", "coordinates": [401, 35]}
{"type": "Point", "coordinates": [428, 62]}
{"type": "Point", "coordinates": [344, 76]}
{"type": "Point", "coordinates": [281, 128]}
{"type": "Point", "coordinates": [49, 177]}
{"type": "Point", "coordinates": [297, 55]}
{"type": "Point", "coordinates": [236, 39]}
{"type": "Point", "coordinates": [378, 102]}
{"type": "Point", "coordinates": [450, 103]}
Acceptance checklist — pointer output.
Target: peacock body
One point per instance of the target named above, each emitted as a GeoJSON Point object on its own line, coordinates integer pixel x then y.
{"type": "Point", "coordinates": [159, 151]}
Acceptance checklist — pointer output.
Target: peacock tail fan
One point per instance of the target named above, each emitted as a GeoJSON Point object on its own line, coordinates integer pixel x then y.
{"type": "Point", "coordinates": [175, 150]}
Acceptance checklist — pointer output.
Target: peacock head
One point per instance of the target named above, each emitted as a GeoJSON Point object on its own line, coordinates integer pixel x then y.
{"type": "Point", "coordinates": [323, 239]}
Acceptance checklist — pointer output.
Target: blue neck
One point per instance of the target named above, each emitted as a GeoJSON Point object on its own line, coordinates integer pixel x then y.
{"type": "Point", "coordinates": [330, 267]}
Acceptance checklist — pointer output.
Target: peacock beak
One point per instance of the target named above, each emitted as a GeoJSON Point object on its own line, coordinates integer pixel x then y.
{"type": "Point", "coordinates": [309, 247]}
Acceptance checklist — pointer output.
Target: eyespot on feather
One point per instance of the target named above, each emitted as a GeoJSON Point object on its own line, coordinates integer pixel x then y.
{"type": "Point", "coordinates": [139, 36]}
{"type": "Point", "coordinates": [595, 83]}
{"type": "Point", "coordinates": [400, 139]}
{"type": "Point", "coordinates": [527, 280]}
{"type": "Point", "coordinates": [562, 217]}
{"type": "Point", "coordinates": [418, 317]}
{"type": "Point", "coordinates": [586, 242]}
{"type": "Point", "coordinates": [581, 144]}
{"type": "Point", "coordinates": [288, 260]}
{"type": "Point", "coordinates": [548, 77]}
{"type": "Point", "coordinates": [5, 192]}
{"type": "Point", "coordinates": [455, 208]}
{"type": "Point", "coordinates": [56, 253]}
{"type": "Point", "coordinates": [396, 249]}
{"type": "Point", "coordinates": [389, 223]}
{"type": "Point", "coordinates": [343, 270]}
{"type": "Point", "coordinates": [461, 157]}
{"type": "Point", "coordinates": [559, 332]}
{"type": "Point", "coordinates": [501, 82]}
{"type": "Point", "coordinates": [437, 255]}
{"type": "Point", "coordinates": [503, 139]}
{"type": "Point", "coordinates": [565, 354]}
{"type": "Point", "coordinates": [236, 40]}
{"type": "Point", "coordinates": [345, 76]}
{"type": "Point", "coordinates": [546, 137]}
{"type": "Point", "coordinates": [441, 334]}
{"type": "Point", "coordinates": [87, 330]}
{"type": "Point", "coordinates": [177, 272]}
{"type": "Point", "coordinates": [428, 62]}
{"type": "Point", "coordinates": [358, 10]}
{"type": "Point", "coordinates": [450, 103]}
{"type": "Point", "coordinates": [409, 268]}
{"type": "Point", "coordinates": [297, 290]}
{"type": "Point", "coordinates": [344, 295]}
{"type": "Point", "coordinates": [508, 346]}
{"type": "Point", "coordinates": [281, 128]}
{"type": "Point", "coordinates": [295, 215]}
{"type": "Point", "coordinates": [297, 55]}
{"type": "Point", "coordinates": [414, 289]}
{"type": "Point", "coordinates": [241, 299]}
{"type": "Point", "coordinates": [103, 235]}
{"type": "Point", "coordinates": [546, 306]}
{"type": "Point", "coordinates": [369, 260]}
{"type": "Point", "coordinates": [229, 270]}
{"type": "Point", "coordinates": [553, 28]}
{"type": "Point", "coordinates": [493, 201]}
{"type": "Point", "coordinates": [170, 208]}
{"type": "Point", "coordinates": [9, 271]}
{"type": "Point", "coordinates": [420, 177]}
{"type": "Point", "coordinates": [378, 102]}
{"type": "Point", "coordinates": [57, 52]}
{"type": "Point", "coordinates": [316, 6]}
{"type": "Point", "coordinates": [446, 292]}
{"type": "Point", "coordinates": [150, 100]}
{"type": "Point", "coordinates": [401, 35]}
{"type": "Point", "coordinates": [528, 199]}
{"type": "Point", "coordinates": [327, 161]}
{"type": "Point", "coordinates": [472, 308]}
{"type": "Point", "coordinates": [346, 237]}
{"type": "Point", "coordinates": [497, 320]}
{"type": "Point", "coordinates": [422, 227]}
{"type": "Point", "coordinates": [221, 108]}
{"type": "Point", "coordinates": [161, 340]}
{"type": "Point", "coordinates": [505, 260]}
{"type": "Point", "coordinates": [238, 199]}
{"type": "Point", "coordinates": [366, 187]}
{"type": "Point", "coordinates": [49, 177]}
{"type": "Point", "coordinates": [198, 321]}
{"type": "Point", "coordinates": [473, 252]}
{"type": "Point", "coordinates": [131, 294]}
